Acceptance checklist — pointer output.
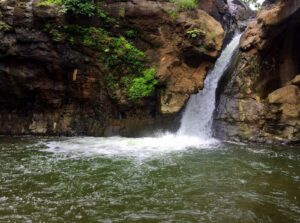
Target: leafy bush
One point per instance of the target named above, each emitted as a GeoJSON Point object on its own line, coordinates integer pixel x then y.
{"type": "Point", "coordinates": [172, 14]}
{"type": "Point", "coordinates": [131, 33]}
{"type": "Point", "coordinates": [76, 7]}
{"type": "Point", "coordinates": [143, 86]}
{"type": "Point", "coordinates": [79, 7]}
{"type": "Point", "coordinates": [186, 4]}
{"type": "Point", "coordinates": [195, 33]}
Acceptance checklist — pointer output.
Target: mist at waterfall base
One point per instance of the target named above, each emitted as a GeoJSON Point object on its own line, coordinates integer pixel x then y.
{"type": "Point", "coordinates": [184, 177]}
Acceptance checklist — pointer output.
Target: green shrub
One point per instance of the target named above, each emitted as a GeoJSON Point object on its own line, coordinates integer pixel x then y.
{"type": "Point", "coordinates": [172, 14]}
{"type": "Point", "coordinates": [79, 7]}
{"type": "Point", "coordinates": [143, 86]}
{"type": "Point", "coordinates": [132, 33]}
{"type": "Point", "coordinates": [76, 7]}
{"type": "Point", "coordinates": [186, 4]}
{"type": "Point", "coordinates": [195, 33]}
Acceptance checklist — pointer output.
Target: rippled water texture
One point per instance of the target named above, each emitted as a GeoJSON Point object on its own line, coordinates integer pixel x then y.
{"type": "Point", "coordinates": [166, 179]}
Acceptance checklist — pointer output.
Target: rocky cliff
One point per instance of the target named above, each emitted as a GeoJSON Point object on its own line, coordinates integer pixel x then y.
{"type": "Point", "coordinates": [72, 74]}
{"type": "Point", "coordinates": [260, 99]}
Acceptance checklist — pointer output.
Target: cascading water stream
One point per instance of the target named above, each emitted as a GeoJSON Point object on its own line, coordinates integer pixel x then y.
{"type": "Point", "coordinates": [198, 116]}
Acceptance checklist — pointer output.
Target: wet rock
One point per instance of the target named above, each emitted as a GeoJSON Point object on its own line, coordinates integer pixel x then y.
{"type": "Point", "coordinates": [289, 94]}
{"type": "Point", "coordinates": [183, 48]}
{"type": "Point", "coordinates": [38, 91]}
{"type": "Point", "coordinates": [295, 81]}
{"type": "Point", "coordinates": [264, 79]}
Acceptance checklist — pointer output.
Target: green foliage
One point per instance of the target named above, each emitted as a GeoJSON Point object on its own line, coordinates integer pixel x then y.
{"type": "Point", "coordinates": [131, 33]}
{"type": "Point", "coordinates": [195, 33]}
{"type": "Point", "coordinates": [121, 12]}
{"type": "Point", "coordinates": [124, 65]}
{"type": "Point", "coordinates": [79, 7]}
{"type": "Point", "coordinates": [48, 2]}
{"type": "Point", "coordinates": [4, 26]}
{"type": "Point", "coordinates": [172, 14]}
{"type": "Point", "coordinates": [143, 86]}
{"type": "Point", "coordinates": [185, 4]}
{"type": "Point", "coordinates": [76, 7]}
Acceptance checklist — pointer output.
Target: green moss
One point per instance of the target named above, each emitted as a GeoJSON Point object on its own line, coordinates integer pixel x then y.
{"type": "Point", "coordinates": [49, 2]}
{"type": "Point", "coordinates": [172, 14]}
{"type": "Point", "coordinates": [121, 12]}
{"type": "Point", "coordinates": [195, 33]}
{"type": "Point", "coordinates": [185, 4]}
{"type": "Point", "coordinates": [143, 86]}
{"type": "Point", "coordinates": [131, 33]}
{"type": "Point", "coordinates": [4, 26]}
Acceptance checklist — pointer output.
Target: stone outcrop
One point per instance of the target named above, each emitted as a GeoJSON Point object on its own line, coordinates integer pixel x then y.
{"type": "Point", "coordinates": [52, 88]}
{"type": "Point", "coordinates": [260, 99]}
{"type": "Point", "coordinates": [182, 44]}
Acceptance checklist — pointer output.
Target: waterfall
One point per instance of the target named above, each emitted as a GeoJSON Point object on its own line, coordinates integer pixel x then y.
{"type": "Point", "coordinates": [198, 115]}
{"type": "Point", "coordinates": [195, 130]}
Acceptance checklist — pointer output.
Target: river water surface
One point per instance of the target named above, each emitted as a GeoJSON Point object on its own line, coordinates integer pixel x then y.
{"type": "Point", "coordinates": [146, 180]}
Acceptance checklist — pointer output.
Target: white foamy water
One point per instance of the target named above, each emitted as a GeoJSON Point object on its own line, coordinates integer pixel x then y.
{"type": "Point", "coordinates": [198, 116]}
{"type": "Point", "coordinates": [195, 131]}
{"type": "Point", "coordinates": [140, 148]}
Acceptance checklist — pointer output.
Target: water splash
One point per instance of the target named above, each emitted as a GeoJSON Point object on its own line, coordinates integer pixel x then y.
{"type": "Point", "coordinates": [198, 116]}
{"type": "Point", "coordinates": [138, 148]}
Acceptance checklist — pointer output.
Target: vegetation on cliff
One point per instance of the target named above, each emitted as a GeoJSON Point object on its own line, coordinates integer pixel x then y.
{"type": "Point", "coordinates": [78, 7]}
{"type": "Point", "coordinates": [185, 4]}
{"type": "Point", "coordinates": [124, 65]}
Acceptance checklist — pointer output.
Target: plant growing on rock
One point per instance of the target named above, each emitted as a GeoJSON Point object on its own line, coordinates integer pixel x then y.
{"type": "Point", "coordinates": [186, 4]}
{"type": "Point", "coordinates": [172, 14]}
{"type": "Point", "coordinates": [143, 86]}
{"type": "Point", "coordinates": [77, 7]}
{"type": "Point", "coordinates": [131, 33]}
{"type": "Point", "coordinates": [4, 26]}
{"type": "Point", "coordinates": [195, 33]}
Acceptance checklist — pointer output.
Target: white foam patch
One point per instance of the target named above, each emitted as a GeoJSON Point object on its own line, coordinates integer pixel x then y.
{"type": "Point", "coordinates": [140, 148]}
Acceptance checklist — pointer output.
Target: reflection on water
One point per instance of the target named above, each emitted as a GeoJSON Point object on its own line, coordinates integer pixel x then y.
{"type": "Point", "coordinates": [146, 180]}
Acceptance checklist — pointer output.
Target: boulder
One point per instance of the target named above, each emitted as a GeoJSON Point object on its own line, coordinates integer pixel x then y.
{"type": "Point", "coordinates": [183, 46]}
{"type": "Point", "coordinates": [295, 81]}
{"type": "Point", "coordinates": [289, 94]}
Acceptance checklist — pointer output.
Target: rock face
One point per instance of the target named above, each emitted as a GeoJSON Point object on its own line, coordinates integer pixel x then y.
{"type": "Point", "coordinates": [52, 88]}
{"type": "Point", "coordinates": [183, 45]}
{"type": "Point", "coordinates": [260, 99]}
{"type": "Point", "coordinates": [241, 12]}
{"type": "Point", "coordinates": [38, 94]}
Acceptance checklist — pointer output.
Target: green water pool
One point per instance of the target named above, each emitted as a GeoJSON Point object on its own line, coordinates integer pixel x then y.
{"type": "Point", "coordinates": [135, 180]}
